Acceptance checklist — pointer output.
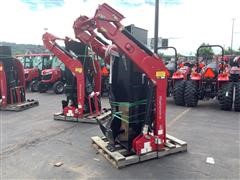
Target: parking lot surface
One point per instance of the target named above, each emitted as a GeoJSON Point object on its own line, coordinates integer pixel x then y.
{"type": "Point", "coordinates": [32, 142]}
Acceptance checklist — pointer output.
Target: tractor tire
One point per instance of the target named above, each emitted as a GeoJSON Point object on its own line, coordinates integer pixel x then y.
{"type": "Point", "coordinates": [34, 86]}
{"type": "Point", "coordinates": [226, 97]}
{"type": "Point", "coordinates": [178, 93]}
{"type": "Point", "coordinates": [191, 94]}
{"type": "Point", "coordinates": [237, 97]}
{"type": "Point", "coordinates": [58, 87]}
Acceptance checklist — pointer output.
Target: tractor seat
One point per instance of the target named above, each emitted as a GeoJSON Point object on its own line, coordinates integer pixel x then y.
{"type": "Point", "coordinates": [171, 68]}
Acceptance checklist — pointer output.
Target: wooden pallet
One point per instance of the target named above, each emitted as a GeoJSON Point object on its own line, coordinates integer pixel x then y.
{"type": "Point", "coordinates": [86, 119]}
{"type": "Point", "coordinates": [20, 106]}
{"type": "Point", "coordinates": [121, 158]}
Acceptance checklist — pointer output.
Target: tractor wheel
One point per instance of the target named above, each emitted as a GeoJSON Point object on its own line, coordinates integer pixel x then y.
{"type": "Point", "coordinates": [226, 96]}
{"type": "Point", "coordinates": [178, 92]}
{"type": "Point", "coordinates": [34, 86]}
{"type": "Point", "coordinates": [191, 94]}
{"type": "Point", "coordinates": [58, 87]}
{"type": "Point", "coordinates": [237, 97]}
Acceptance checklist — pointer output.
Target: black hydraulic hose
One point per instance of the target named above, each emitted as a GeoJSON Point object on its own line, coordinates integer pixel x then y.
{"type": "Point", "coordinates": [148, 120]}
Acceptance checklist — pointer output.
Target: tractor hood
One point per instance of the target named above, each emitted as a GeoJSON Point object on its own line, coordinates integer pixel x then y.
{"type": "Point", "coordinates": [48, 71]}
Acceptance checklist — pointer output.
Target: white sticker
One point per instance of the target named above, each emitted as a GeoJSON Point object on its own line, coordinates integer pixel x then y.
{"type": "Point", "coordinates": [160, 132]}
{"type": "Point", "coordinates": [147, 148]}
{"type": "Point", "coordinates": [70, 113]}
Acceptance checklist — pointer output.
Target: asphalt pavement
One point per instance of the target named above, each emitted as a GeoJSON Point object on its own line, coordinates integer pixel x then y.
{"type": "Point", "coordinates": [32, 142]}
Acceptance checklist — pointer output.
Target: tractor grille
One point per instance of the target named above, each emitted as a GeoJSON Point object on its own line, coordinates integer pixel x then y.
{"type": "Point", "coordinates": [46, 77]}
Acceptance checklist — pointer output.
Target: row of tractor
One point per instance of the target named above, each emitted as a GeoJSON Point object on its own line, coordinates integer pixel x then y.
{"type": "Point", "coordinates": [42, 72]}
{"type": "Point", "coordinates": [45, 71]}
{"type": "Point", "coordinates": [217, 77]}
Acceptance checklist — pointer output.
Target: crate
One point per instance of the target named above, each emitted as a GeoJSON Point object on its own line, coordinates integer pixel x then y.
{"type": "Point", "coordinates": [121, 158]}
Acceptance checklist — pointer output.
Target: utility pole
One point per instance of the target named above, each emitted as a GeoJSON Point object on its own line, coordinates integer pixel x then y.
{"type": "Point", "coordinates": [156, 26]}
{"type": "Point", "coordinates": [232, 35]}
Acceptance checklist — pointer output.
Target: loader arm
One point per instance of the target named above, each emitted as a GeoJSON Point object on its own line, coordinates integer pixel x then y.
{"type": "Point", "coordinates": [89, 37]}
{"type": "Point", "coordinates": [107, 22]}
{"type": "Point", "coordinates": [71, 63]}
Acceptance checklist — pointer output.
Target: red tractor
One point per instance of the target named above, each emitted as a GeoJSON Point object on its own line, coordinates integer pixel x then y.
{"type": "Point", "coordinates": [179, 79]}
{"type": "Point", "coordinates": [229, 94]}
{"type": "Point", "coordinates": [177, 73]}
{"type": "Point", "coordinates": [33, 65]}
{"type": "Point", "coordinates": [206, 80]}
{"type": "Point", "coordinates": [53, 76]}
{"type": "Point", "coordinates": [12, 83]}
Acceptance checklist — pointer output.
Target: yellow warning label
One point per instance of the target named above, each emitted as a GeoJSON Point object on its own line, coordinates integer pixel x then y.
{"type": "Point", "coordinates": [1, 68]}
{"type": "Point", "coordinates": [78, 70]}
{"type": "Point", "coordinates": [160, 74]}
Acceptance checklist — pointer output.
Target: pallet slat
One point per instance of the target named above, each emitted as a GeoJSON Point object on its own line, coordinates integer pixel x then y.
{"type": "Point", "coordinates": [86, 119]}
{"type": "Point", "coordinates": [119, 159]}
{"type": "Point", "coordinates": [178, 141]}
{"type": "Point", "coordinates": [103, 145]}
{"type": "Point", "coordinates": [20, 106]}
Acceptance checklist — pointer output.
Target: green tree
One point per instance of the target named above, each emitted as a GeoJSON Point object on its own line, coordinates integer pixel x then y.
{"type": "Point", "coordinates": [228, 51]}
{"type": "Point", "coordinates": [206, 52]}
{"type": "Point", "coordinates": [23, 48]}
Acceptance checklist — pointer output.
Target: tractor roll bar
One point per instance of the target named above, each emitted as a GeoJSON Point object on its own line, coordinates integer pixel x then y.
{"type": "Point", "coordinates": [209, 46]}
{"type": "Point", "coordinates": [175, 51]}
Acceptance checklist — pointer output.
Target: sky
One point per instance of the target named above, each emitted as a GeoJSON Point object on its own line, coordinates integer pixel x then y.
{"type": "Point", "coordinates": [187, 23]}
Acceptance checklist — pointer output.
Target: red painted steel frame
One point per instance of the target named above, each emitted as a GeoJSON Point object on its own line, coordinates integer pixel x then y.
{"type": "Point", "coordinates": [3, 86]}
{"type": "Point", "coordinates": [73, 65]}
{"type": "Point", "coordinates": [20, 72]}
{"type": "Point", "coordinates": [88, 36]}
{"type": "Point", "coordinates": [107, 21]}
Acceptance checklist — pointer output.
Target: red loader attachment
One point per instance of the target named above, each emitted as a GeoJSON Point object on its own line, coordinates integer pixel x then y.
{"type": "Point", "coordinates": [12, 83]}
{"type": "Point", "coordinates": [83, 82]}
{"type": "Point", "coordinates": [138, 84]}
